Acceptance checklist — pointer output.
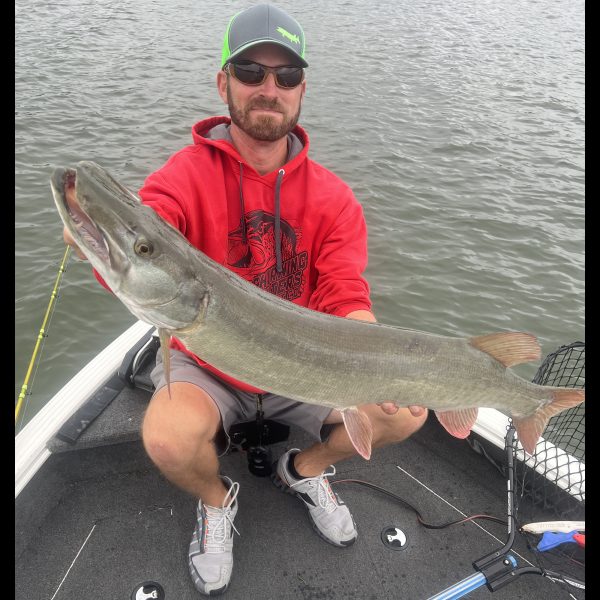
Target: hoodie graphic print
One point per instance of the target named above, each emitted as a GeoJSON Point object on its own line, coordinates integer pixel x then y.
{"type": "Point", "coordinates": [254, 255]}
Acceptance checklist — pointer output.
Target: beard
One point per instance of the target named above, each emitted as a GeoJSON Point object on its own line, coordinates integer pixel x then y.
{"type": "Point", "coordinates": [263, 127]}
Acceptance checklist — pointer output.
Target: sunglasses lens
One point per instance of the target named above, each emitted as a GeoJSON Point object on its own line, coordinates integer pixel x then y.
{"type": "Point", "coordinates": [254, 74]}
{"type": "Point", "coordinates": [289, 77]}
{"type": "Point", "coordinates": [250, 74]}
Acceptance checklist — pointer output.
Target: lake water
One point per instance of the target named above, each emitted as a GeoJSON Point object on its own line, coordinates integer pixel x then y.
{"type": "Point", "coordinates": [460, 126]}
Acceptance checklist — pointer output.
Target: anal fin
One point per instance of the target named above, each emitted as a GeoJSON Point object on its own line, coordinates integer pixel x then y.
{"type": "Point", "coordinates": [458, 422]}
{"type": "Point", "coordinates": [359, 429]}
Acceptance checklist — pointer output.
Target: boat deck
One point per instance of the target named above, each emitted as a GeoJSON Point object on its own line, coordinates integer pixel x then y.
{"type": "Point", "coordinates": [108, 521]}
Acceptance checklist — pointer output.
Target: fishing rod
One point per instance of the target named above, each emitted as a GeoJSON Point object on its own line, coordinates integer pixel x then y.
{"type": "Point", "coordinates": [42, 332]}
{"type": "Point", "coordinates": [497, 569]}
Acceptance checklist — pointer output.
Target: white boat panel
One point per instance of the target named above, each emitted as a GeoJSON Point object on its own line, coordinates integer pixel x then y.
{"type": "Point", "coordinates": [30, 442]}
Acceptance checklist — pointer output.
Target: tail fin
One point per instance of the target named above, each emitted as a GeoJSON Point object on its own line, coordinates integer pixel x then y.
{"type": "Point", "coordinates": [510, 348]}
{"type": "Point", "coordinates": [359, 430]}
{"type": "Point", "coordinates": [529, 429]}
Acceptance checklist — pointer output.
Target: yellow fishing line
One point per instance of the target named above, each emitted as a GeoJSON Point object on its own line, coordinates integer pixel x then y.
{"type": "Point", "coordinates": [42, 332]}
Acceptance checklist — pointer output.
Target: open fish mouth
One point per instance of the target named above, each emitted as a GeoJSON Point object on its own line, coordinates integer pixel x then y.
{"type": "Point", "coordinates": [103, 249]}
{"type": "Point", "coordinates": [83, 228]}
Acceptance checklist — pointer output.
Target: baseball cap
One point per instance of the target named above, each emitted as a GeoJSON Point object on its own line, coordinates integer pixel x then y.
{"type": "Point", "coordinates": [259, 24]}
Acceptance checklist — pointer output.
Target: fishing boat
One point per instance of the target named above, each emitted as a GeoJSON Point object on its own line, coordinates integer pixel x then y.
{"type": "Point", "coordinates": [95, 518]}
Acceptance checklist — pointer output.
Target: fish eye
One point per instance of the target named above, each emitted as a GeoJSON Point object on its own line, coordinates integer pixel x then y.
{"type": "Point", "coordinates": [143, 247]}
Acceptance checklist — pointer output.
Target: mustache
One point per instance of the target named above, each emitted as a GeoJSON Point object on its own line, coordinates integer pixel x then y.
{"type": "Point", "coordinates": [266, 103]}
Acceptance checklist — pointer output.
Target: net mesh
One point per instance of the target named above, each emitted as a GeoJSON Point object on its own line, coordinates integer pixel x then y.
{"type": "Point", "coordinates": [550, 485]}
{"type": "Point", "coordinates": [554, 477]}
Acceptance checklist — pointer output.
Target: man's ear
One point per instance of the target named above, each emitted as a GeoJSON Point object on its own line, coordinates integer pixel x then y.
{"type": "Point", "coordinates": [222, 85]}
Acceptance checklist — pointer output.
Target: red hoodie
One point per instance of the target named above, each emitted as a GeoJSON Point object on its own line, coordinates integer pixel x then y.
{"type": "Point", "coordinates": [298, 232]}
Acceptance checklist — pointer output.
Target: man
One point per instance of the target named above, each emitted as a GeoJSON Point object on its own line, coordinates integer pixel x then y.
{"type": "Point", "coordinates": [247, 195]}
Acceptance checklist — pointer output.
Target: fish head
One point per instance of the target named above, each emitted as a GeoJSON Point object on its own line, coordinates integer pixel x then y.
{"type": "Point", "coordinates": [142, 258]}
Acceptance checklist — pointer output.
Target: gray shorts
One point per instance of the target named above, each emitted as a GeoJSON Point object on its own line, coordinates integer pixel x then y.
{"type": "Point", "coordinates": [237, 406]}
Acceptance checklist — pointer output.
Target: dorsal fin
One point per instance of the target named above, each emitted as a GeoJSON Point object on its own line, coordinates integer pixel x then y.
{"type": "Point", "coordinates": [510, 348]}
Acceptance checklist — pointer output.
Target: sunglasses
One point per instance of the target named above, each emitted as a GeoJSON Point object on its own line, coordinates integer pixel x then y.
{"type": "Point", "coordinates": [251, 73]}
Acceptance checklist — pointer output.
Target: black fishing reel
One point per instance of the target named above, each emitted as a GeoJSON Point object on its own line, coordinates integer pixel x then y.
{"type": "Point", "coordinates": [253, 437]}
{"type": "Point", "coordinates": [260, 461]}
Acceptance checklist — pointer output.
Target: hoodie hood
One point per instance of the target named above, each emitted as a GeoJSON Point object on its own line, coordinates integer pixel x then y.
{"type": "Point", "coordinates": [216, 132]}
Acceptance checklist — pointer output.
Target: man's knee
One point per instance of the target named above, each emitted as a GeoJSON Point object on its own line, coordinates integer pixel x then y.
{"type": "Point", "coordinates": [175, 429]}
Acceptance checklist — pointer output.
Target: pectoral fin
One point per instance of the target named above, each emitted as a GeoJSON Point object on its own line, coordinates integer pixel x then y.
{"type": "Point", "coordinates": [458, 422]}
{"type": "Point", "coordinates": [359, 429]}
{"type": "Point", "coordinates": [165, 338]}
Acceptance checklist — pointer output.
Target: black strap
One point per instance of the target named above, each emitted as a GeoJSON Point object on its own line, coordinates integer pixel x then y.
{"type": "Point", "coordinates": [260, 417]}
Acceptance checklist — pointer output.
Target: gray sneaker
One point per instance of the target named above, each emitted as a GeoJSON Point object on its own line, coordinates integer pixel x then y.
{"type": "Point", "coordinates": [330, 516]}
{"type": "Point", "coordinates": [211, 548]}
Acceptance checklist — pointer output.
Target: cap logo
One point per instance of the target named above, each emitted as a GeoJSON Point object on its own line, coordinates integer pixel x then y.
{"type": "Point", "coordinates": [290, 36]}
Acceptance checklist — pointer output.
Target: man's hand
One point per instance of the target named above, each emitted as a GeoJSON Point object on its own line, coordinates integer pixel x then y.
{"type": "Point", "coordinates": [391, 409]}
{"type": "Point", "coordinates": [362, 315]}
{"type": "Point", "coordinates": [70, 241]}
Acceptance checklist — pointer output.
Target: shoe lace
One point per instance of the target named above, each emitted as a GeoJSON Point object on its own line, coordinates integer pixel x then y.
{"type": "Point", "coordinates": [219, 520]}
{"type": "Point", "coordinates": [325, 496]}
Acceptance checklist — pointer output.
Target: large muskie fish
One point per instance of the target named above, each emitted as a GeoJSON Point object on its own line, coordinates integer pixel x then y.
{"type": "Point", "coordinates": [286, 349]}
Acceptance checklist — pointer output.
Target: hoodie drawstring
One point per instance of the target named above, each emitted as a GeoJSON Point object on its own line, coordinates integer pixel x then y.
{"type": "Point", "coordinates": [280, 175]}
{"type": "Point", "coordinates": [242, 209]}
{"type": "Point", "coordinates": [279, 266]}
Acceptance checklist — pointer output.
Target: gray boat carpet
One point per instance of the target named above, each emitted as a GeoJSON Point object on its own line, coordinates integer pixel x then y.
{"type": "Point", "coordinates": [116, 522]}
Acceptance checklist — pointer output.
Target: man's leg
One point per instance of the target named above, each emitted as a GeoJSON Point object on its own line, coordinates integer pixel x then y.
{"type": "Point", "coordinates": [304, 474]}
{"type": "Point", "coordinates": [387, 429]}
{"type": "Point", "coordinates": [178, 433]}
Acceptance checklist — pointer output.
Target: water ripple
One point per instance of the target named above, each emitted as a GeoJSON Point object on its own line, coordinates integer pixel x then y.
{"type": "Point", "coordinates": [461, 132]}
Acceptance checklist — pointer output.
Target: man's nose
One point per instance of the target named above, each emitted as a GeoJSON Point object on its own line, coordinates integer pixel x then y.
{"type": "Point", "coordinates": [269, 83]}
